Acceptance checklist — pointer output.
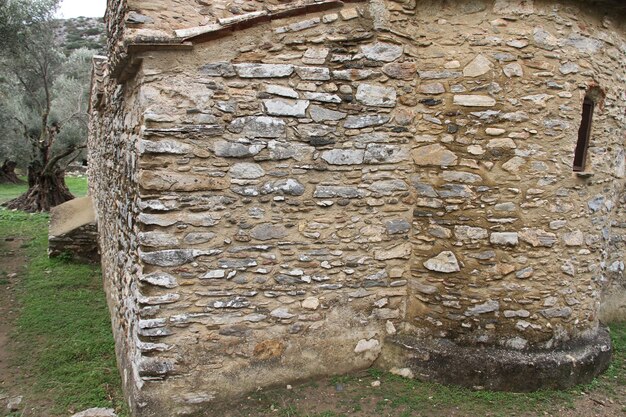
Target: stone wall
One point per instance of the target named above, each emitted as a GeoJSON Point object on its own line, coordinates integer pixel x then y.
{"type": "Point", "coordinates": [114, 129]}
{"type": "Point", "coordinates": [81, 244]}
{"type": "Point", "coordinates": [73, 232]}
{"type": "Point", "coordinates": [313, 190]}
{"type": "Point", "coordinates": [613, 306]}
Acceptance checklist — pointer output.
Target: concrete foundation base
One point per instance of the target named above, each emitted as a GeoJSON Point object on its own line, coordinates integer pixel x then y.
{"type": "Point", "coordinates": [501, 369]}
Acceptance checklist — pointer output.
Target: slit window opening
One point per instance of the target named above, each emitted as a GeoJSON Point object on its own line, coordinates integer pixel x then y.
{"type": "Point", "coordinates": [584, 134]}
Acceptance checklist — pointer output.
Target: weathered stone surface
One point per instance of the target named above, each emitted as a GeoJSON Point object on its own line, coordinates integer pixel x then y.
{"type": "Point", "coordinates": [236, 149]}
{"type": "Point", "coordinates": [504, 238]}
{"type": "Point", "coordinates": [288, 186]}
{"type": "Point", "coordinates": [281, 313]}
{"type": "Point", "coordinates": [315, 55]}
{"type": "Point", "coordinates": [311, 303]}
{"type": "Point", "coordinates": [402, 71]}
{"type": "Point", "coordinates": [246, 170]}
{"type": "Point", "coordinates": [494, 131]}
{"type": "Point", "coordinates": [263, 70]}
{"type": "Point", "coordinates": [156, 219]}
{"type": "Point", "coordinates": [424, 289]}
{"type": "Point", "coordinates": [596, 203]}
{"type": "Point", "coordinates": [513, 165]}
{"type": "Point", "coordinates": [584, 44]}
{"type": "Point", "coordinates": [537, 237]}
{"type": "Point", "coordinates": [380, 51]}
{"type": "Point", "coordinates": [385, 154]}
{"type": "Point", "coordinates": [268, 231]}
{"type": "Point", "coordinates": [445, 262]}
{"type": "Point", "coordinates": [397, 252]}
{"type": "Point", "coordinates": [538, 99]}
{"type": "Point", "coordinates": [375, 95]}
{"type": "Point", "coordinates": [198, 219]}
{"type": "Point", "coordinates": [501, 143]}
{"type": "Point", "coordinates": [280, 90]}
{"type": "Point", "coordinates": [321, 114]}
{"type": "Point", "coordinates": [322, 97]}
{"type": "Point", "coordinates": [344, 156]}
{"type": "Point", "coordinates": [174, 181]}
{"type": "Point", "coordinates": [372, 137]}
{"type": "Point", "coordinates": [556, 312]}
{"type": "Point", "coordinates": [456, 191]}
{"type": "Point", "coordinates": [164, 146]}
{"type": "Point", "coordinates": [477, 67]}
{"type": "Point", "coordinates": [387, 187]}
{"type": "Point", "coordinates": [437, 75]}
{"type": "Point", "coordinates": [474, 101]}
{"type": "Point", "coordinates": [486, 307]}
{"type": "Point", "coordinates": [512, 7]}
{"type": "Point", "coordinates": [159, 279]}
{"type": "Point", "coordinates": [96, 412]}
{"type": "Point", "coordinates": [172, 257]}
{"type": "Point", "coordinates": [258, 127]}
{"type": "Point", "coordinates": [327, 191]}
{"type": "Point", "coordinates": [353, 74]}
{"type": "Point", "coordinates": [470, 233]}
{"type": "Point", "coordinates": [525, 273]}
{"type": "Point", "coordinates": [359, 122]}
{"type": "Point", "coordinates": [544, 39]}
{"type": "Point", "coordinates": [569, 68]}
{"type": "Point", "coordinates": [434, 155]}
{"type": "Point", "coordinates": [215, 274]}
{"type": "Point", "coordinates": [517, 43]}
{"type": "Point", "coordinates": [218, 69]}
{"type": "Point", "coordinates": [513, 70]}
{"type": "Point", "coordinates": [313, 73]}
{"type": "Point", "coordinates": [432, 88]}
{"type": "Point", "coordinates": [14, 403]}
{"type": "Point", "coordinates": [366, 345]}
{"type": "Point", "coordinates": [397, 226]}
{"type": "Point", "coordinates": [157, 239]}
{"type": "Point", "coordinates": [281, 107]}
{"type": "Point", "coordinates": [575, 238]}
{"type": "Point", "coordinates": [459, 176]}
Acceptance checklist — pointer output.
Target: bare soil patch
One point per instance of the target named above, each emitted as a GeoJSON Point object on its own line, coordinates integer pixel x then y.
{"type": "Point", "coordinates": [12, 264]}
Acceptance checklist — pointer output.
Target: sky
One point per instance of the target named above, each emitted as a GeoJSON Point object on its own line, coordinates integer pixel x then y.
{"type": "Point", "coordinates": [76, 8]}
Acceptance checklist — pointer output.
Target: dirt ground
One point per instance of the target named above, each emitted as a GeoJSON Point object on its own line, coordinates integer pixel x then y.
{"type": "Point", "coordinates": [12, 263]}
{"type": "Point", "coordinates": [360, 399]}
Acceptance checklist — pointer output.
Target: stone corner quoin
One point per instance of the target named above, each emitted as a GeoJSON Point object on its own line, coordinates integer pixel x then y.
{"type": "Point", "coordinates": [297, 187]}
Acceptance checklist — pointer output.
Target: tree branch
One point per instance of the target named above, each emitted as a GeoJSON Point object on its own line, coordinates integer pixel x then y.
{"type": "Point", "coordinates": [53, 161]}
{"type": "Point", "coordinates": [72, 159]}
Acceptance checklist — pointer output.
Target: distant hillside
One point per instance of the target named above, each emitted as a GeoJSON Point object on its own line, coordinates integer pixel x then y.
{"type": "Point", "coordinates": [82, 32]}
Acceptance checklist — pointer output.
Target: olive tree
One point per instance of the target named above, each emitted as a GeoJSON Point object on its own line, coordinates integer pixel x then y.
{"type": "Point", "coordinates": [45, 101]}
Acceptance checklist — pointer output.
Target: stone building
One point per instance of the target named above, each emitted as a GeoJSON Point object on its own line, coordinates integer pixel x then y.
{"type": "Point", "coordinates": [292, 189]}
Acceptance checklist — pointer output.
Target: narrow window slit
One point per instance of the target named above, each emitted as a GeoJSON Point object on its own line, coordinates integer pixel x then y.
{"type": "Point", "coordinates": [584, 134]}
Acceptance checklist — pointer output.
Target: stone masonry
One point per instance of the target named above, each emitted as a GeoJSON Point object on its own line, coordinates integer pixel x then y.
{"type": "Point", "coordinates": [291, 189]}
{"type": "Point", "coordinates": [73, 232]}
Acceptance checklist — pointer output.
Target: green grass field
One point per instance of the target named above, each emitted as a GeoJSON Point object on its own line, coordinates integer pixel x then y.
{"type": "Point", "coordinates": [77, 185]}
{"type": "Point", "coordinates": [63, 333]}
{"type": "Point", "coordinates": [62, 340]}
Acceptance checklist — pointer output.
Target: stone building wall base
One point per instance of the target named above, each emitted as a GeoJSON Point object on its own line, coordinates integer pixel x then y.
{"type": "Point", "coordinates": [502, 369]}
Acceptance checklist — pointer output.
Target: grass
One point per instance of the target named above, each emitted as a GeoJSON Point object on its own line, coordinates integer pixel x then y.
{"type": "Point", "coordinates": [77, 185]}
{"type": "Point", "coordinates": [10, 191]}
{"type": "Point", "coordinates": [62, 341]}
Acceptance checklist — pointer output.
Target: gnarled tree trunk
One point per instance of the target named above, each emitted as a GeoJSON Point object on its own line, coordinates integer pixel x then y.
{"type": "Point", "coordinates": [46, 189]}
{"type": "Point", "coordinates": [7, 173]}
